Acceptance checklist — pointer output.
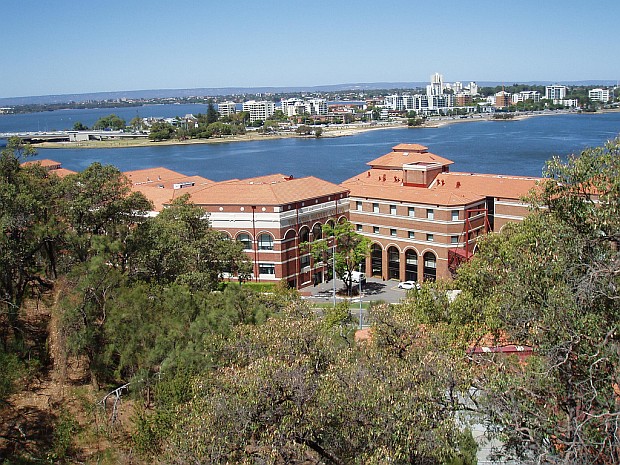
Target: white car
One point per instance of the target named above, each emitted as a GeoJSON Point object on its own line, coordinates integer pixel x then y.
{"type": "Point", "coordinates": [407, 285]}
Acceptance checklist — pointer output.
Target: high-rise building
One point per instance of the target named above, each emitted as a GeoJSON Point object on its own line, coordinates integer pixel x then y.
{"type": "Point", "coordinates": [227, 108]}
{"type": "Point", "coordinates": [259, 110]}
{"type": "Point", "coordinates": [555, 92]}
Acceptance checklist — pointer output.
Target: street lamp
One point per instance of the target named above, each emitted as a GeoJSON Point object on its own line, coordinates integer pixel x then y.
{"type": "Point", "coordinates": [334, 269]}
{"type": "Point", "coordinates": [360, 283]}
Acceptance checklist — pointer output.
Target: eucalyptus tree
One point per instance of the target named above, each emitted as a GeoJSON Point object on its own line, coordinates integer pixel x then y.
{"type": "Point", "coordinates": [552, 283]}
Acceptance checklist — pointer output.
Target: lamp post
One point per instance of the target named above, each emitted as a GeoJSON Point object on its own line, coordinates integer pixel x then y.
{"type": "Point", "coordinates": [360, 283]}
{"type": "Point", "coordinates": [334, 269]}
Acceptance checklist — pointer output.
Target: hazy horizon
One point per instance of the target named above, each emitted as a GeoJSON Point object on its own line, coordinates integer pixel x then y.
{"type": "Point", "coordinates": [64, 48]}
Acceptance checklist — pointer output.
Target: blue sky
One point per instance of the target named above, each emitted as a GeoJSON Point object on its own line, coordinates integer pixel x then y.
{"type": "Point", "coordinates": [63, 46]}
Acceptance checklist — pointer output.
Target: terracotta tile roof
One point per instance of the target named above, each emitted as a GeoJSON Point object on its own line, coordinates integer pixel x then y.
{"type": "Point", "coordinates": [51, 165]}
{"type": "Point", "coordinates": [488, 185]}
{"type": "Point", "coordinates": [409, 148]}
{"type": "Point", "coordinates": [400, 156]}
{"type": "Point", "coordinates": [373, 188]}
{"type": "Point", "coordinates": [45, 163]}
{"type": "Point", "coordinates": [265, 190]}
{"type": "Point", "coordinates": [62, 172]}
{"type": "Point", "coordinates": [161, 175]}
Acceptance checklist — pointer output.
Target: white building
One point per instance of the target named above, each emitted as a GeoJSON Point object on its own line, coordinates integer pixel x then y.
{"type": "Point", "coordinates": [259, 110]}
{"type": "Point", "coordinates": [436, 86]}
{"type": "Point", "coordinates": [524, 95]}
{"type": "Point", "coordinates": [292, 107]}
{"type": "Point", "coordinates": [555, 92]}
{"type": "Point", "coordinates": [316, 106]}
{"type": "Point", "coordinates": [227, 108]}
{"type": "Point", "coordinates": [602, 95]}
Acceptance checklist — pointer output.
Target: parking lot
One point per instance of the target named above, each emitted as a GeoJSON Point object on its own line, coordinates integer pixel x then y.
{"type": "Point", "coordinates": [375, 289]}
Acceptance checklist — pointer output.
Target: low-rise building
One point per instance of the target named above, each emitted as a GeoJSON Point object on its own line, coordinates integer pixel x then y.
{"type": "Point", "coordinates": [270, 215]}
{"type": "Point", "coordinates": [422, 219]}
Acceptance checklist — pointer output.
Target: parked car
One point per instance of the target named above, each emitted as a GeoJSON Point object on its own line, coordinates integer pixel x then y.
{"type": "Point", "coordinates": [356, 277]}
{"type": "Point", "coordinates": [408, 285]}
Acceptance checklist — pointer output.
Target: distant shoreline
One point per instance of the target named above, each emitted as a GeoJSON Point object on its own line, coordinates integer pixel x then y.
{"type": "Point", "coordinates": [334, 131]}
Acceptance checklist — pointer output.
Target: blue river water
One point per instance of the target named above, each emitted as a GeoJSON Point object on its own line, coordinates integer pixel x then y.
{"type": "Point", "coordinates": [503, 147]}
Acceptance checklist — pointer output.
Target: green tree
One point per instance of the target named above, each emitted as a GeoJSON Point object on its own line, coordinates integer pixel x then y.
{"type": "Point", "coordinates": [136, 123]}
{"type": "Point", "coordinates": [179, 245]}
{"type": "Point", "coordinates": [212, 114]}
{"type": "Point", "coordinates": [161, 130]}
{"type": "Point", "coordinates": [78, 126]}
{"type": "Point", "coordinates": [30, 230]}
{"type": "Point", "coordinates": [109, 122]}
{"type": "Point", "coordinates": [552, 283]}
{"type": "Point", "coordinates": [99, 202]}
{"type": "Point", "coordinates": [297, 389]}
{"type": "Point", "coordinates": [351, 249]}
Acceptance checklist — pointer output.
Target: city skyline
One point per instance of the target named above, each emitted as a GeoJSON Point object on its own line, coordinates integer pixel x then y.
{"type": "Point", "coordinates": [64, 48]}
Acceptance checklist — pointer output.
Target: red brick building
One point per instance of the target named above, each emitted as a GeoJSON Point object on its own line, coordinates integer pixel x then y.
{"type": "Point", "coordinates": [422, 219]}
{"type": "Point", "coordinates": [270, 215]}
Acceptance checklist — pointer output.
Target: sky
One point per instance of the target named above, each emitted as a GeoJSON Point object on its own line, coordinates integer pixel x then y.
{"type": "Point", "coordinates": [70, 46]}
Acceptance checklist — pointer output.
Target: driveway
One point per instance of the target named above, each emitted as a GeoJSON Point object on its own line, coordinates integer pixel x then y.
{"type": "Point", "coordinates": [374, 289]}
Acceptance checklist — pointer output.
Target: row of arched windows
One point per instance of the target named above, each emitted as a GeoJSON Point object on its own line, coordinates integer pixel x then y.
{"type": "Point", "coordinates": [264, 241]}
{"type": "Point", "coordinates": [411, 256]}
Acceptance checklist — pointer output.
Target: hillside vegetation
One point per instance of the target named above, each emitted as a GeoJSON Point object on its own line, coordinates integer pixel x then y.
{"type": "Point", "coordinates": [121, 343]}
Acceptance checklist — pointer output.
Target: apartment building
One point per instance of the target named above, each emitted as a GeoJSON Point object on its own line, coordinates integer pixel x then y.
{"type": "Point", "coordinates": [503, 99]}
{"type": "Point", "coordinates": [295, 107]}
{"type": "Point", "coordinates": [270, 215]}
{"type": "Point", "coordinates": [227, 108]}
{"type": "Point", "coordinates": [422, 219]}
{"type": "Point", "coordinates": [525, 95]}
{"type": "Point", "coordinates": [259, 110]}
{"type": "Point", "coordinates": [601, 95]}
{"type": "Point", "coordinates": [555, 92]}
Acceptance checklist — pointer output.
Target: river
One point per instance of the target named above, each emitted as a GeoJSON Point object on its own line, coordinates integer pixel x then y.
{"type": "Point", "coordinates": [503, 147]}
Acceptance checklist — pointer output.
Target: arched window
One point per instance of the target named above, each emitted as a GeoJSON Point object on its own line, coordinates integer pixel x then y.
{"type": "Point", "coordinates": [430, 266]}
{"type": "Point", "coordinates": [304, 234]}
{"type": "Point", "coordinates": [376, 259]}
{"type": "Point", "coordinates": [246, 240]}
{"type": "Point", "coordinates": [265, 242]}
{"type": "Point", "coordinates": [411, 265]}
{"type": "Point", "coordinates": [317, 232]}
{"type": "Point", "coordinates": [393, 263]}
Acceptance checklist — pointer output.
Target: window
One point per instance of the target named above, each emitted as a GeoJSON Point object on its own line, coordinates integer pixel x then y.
{"type": "Point", "coordinates": [430, 213]}
{"type": "Point", "coordinates": [359, 206]}
{"type": "Point", "coordinates": [454, 239]}
{"type": "Point", "coordinates": [392, 209]}
{"type": "Point", "coordinates": [375, 208]}
{"type": "Point", "coordinates": [392, 232]}
{"type": "Point", "coordinates": [375, 229]}
{"type": "Point", "coordinates": [305, 260]}
{"type": "Point", "coordinates": [304, 234]}
{"type": "Point", "coordinates": [411, 211]}
{"type": "Point", "coordinates": [245, 240]}
{"type": "Point", "coordinates": [430, 238]}
{"type": "Point", "coordinates": [266, 268]}
{"type": "Point", "coordinates": [411, 235]}
{"type": "Point", "coordinates": [455, 215]}
{"type": "Point", "coordinates": [265, 242]}
{"type": "Point", "coordinates": [358, 227]}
